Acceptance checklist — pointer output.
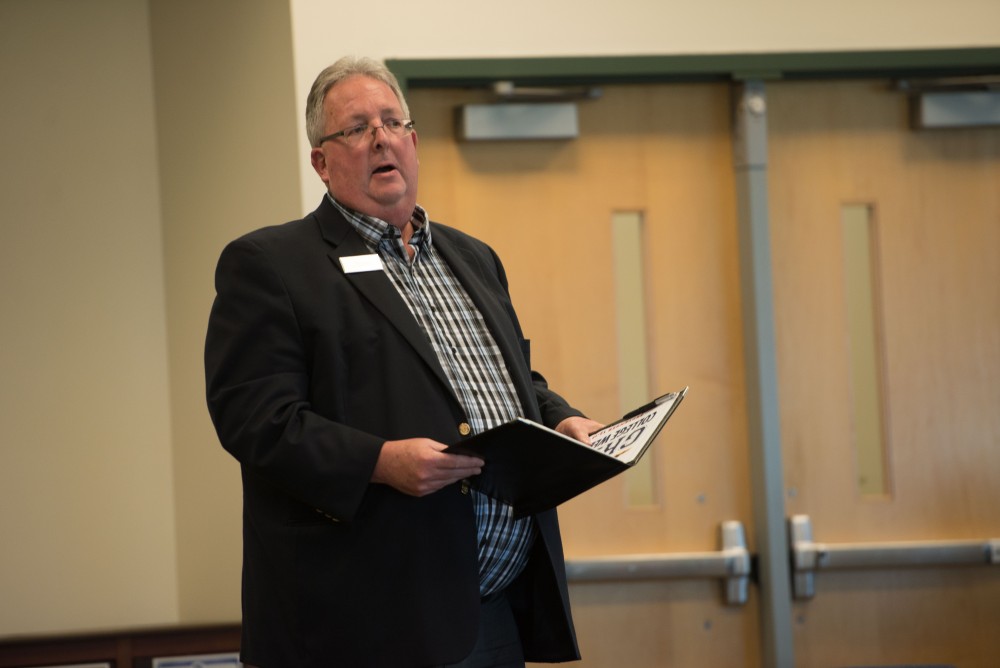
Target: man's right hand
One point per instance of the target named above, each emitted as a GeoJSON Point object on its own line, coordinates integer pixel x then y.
{"type": "Point", "coordinates": [418, 466]}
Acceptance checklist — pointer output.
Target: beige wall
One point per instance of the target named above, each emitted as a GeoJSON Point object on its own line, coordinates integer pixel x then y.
{"type": "Point", "coordinates": [225, 112]}
{"type": "Point", "coordinates": [136, 138]}
{"type": "Point", "coordinates": [87, 512]}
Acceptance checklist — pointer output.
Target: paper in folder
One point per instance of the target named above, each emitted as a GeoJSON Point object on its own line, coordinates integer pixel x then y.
{"type": "Point", "coordinates": [534, 468]}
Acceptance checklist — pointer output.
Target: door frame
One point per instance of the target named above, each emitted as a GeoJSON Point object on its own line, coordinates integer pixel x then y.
{"type": "Point", "coordinates": [748, 73]}
{"type": "Point", "coordinates": [923, 63]}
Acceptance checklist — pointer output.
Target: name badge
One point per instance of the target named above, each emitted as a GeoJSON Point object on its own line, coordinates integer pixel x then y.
{"type": "Point", "coordinates": [353, 264]}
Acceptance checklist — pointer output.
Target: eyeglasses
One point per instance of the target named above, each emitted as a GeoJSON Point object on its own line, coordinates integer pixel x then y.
{"type": "Point", "coordinates": [353, 135]}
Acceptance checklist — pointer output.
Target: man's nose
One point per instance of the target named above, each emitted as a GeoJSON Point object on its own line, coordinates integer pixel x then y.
{"type": "Point", "coordinates": [379, 139]}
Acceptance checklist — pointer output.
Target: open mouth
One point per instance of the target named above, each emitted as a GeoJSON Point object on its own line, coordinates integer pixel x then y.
{"type": "Point", "coordinates": [384, 169]}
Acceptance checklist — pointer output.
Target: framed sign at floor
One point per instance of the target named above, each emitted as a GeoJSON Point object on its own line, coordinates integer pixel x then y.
{"type": "Point", "coordinates": [231, 660]}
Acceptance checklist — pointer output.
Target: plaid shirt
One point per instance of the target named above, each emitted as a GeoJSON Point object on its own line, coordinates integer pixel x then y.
{"type": "Point", "coordinates": [473, 364]}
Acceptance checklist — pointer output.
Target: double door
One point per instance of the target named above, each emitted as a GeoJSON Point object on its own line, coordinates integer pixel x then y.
{"type": "Point", "coordinates": [624, 253]}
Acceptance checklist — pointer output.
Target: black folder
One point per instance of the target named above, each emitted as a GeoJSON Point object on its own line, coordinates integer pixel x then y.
{"type": "Point", "coordinates": [533, 468]}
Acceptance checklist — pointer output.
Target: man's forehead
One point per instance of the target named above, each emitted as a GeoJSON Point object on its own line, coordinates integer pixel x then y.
{"type": "Point", "coordinates": [358, 94]}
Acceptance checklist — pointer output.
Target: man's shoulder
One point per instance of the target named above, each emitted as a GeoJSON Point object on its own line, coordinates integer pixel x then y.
{"type": "Point", "coordinates": [457, 237]}
{"type": "Point", "coordinates": [305, 230]}
{"type": "Point", "coordinates": [281, 233]}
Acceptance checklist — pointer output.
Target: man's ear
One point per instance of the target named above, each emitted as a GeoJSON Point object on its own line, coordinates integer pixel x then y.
{"type": "Point", "coordinates": [318, 160]}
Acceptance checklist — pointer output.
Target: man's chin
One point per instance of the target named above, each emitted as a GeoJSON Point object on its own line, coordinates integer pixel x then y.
{"type": "Point", "coordinates": [388, 194]}
{"type": "Point", "coordinates": [394, 208]}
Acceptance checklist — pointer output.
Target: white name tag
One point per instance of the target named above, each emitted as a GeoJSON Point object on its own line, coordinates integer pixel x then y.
{"type": "Point", "coordinates": [354, 264]}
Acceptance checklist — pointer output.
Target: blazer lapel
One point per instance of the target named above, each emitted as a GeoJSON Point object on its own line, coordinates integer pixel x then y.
{"type": "Point", "coordinates": [375, 286]}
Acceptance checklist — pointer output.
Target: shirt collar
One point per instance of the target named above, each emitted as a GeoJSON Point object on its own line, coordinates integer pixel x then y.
{"type": "Point", "coordinates": [375, 230]}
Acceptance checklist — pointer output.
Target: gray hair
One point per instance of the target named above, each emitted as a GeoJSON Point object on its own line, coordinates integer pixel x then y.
{"type": "Point", "coordinates": [347, 66]}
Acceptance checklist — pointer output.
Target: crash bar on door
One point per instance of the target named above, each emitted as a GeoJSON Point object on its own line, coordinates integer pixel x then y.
{"type": "Point", "coordinates": [732, 564]}
{"type": "Point", "coordinates": [809, 557]}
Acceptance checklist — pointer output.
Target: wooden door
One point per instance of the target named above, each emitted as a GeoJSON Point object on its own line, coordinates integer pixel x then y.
{"type": "Point", "coordinates": [547, 207]}
{"type": "Point", "coordinates": [933, 204]}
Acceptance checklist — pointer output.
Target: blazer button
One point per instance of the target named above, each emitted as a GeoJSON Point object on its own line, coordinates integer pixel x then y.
{"type": "Point", "coordinates": [465, 487]}
{"type": "Point", "coordinates": [464, 429]}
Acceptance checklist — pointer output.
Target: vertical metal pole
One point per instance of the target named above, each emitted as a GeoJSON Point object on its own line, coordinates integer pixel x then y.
{"type": "Point", "coordinates": [750, 165]}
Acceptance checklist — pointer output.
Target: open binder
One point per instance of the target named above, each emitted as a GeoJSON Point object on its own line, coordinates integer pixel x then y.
{"type": "Point", "coordinates": [533, 468]}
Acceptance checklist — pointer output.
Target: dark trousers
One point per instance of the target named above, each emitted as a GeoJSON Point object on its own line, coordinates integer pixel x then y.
{"type": "Point", "coordinates": [498, 644]}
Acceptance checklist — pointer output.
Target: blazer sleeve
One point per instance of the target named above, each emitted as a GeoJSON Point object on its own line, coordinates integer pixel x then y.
{"type": "Point", "coordinates": [257, 382]}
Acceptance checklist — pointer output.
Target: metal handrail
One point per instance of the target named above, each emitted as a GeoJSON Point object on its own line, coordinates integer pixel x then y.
{"type": "Point", "coordinates": [732, 563]}
{"type": "Point", "coordinates": [809, 556]}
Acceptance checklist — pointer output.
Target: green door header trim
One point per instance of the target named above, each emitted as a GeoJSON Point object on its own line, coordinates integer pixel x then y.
{"type": "Point", "coordinates": [457, 72]}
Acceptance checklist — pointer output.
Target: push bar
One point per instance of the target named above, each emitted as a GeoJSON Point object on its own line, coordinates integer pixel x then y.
{"type": "Point", "coordinates": [732, 564]}
{"type": "Point", "coordinates": [809, 557]}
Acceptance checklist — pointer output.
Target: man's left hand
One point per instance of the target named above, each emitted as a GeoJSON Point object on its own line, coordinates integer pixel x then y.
{"type": "Point", "coordinates": [578, 427]}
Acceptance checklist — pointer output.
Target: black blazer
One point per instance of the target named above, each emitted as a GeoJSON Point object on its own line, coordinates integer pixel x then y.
{"type": "Point", "coordinates": [309, 370]}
